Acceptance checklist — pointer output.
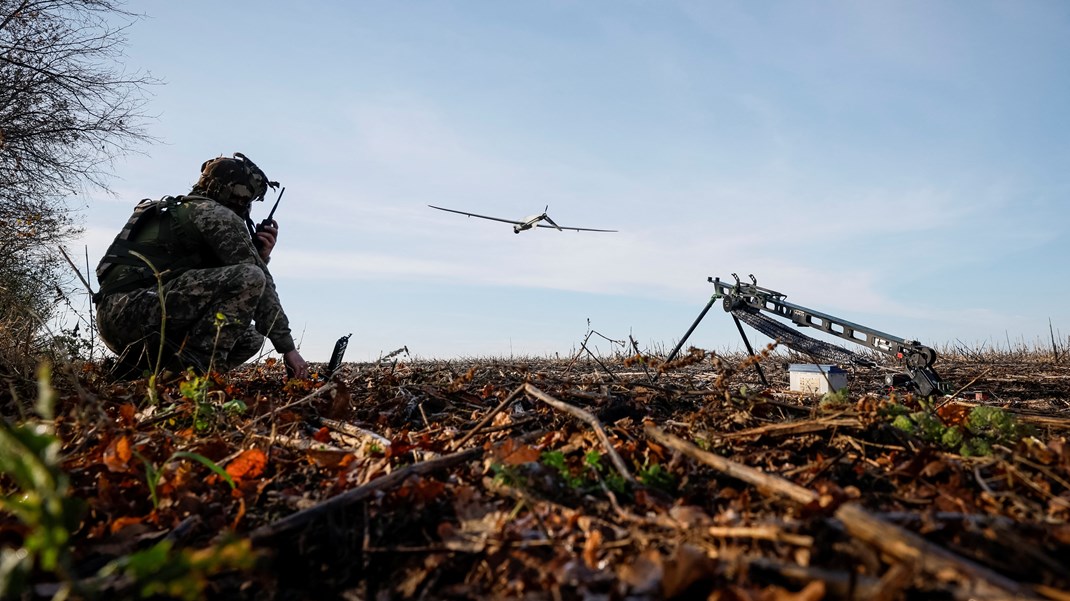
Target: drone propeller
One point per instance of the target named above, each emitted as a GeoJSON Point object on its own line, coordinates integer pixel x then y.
{"type": "Point", "coordinates": [547, 219]}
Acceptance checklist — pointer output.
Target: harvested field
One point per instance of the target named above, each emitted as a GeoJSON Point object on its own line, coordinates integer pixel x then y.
{"type": "Point", "coordinates": [576, 479]}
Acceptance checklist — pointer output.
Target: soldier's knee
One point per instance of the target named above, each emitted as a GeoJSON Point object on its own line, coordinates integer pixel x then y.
{"type": "Point", "coordinates": [248, 278]}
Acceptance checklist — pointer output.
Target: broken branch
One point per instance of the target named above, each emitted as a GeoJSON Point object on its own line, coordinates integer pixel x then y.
{"type": "Point", "coordinates": [977, 582]}
{"type": "Point", "coordinates": [591, 421]}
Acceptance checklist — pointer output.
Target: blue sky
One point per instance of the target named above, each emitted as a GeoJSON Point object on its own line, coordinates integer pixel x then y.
{"type": "Point", "coordinates": [903, 165]}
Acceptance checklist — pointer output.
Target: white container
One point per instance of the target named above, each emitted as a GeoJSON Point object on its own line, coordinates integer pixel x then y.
{"type": "Point", "coordinates": [816, 379]}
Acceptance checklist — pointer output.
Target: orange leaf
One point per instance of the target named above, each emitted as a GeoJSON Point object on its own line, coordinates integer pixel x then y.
{"type": "Point", "coordinates": [250, 464]}
{"type": "Point", "coordinates": [591, 548]}
{"type": "Point", "coordinates": [954, 414]}
{"type": "Point", "coordinates": [117, 455]}
{"type": "Point", "coordinates": [322, 435]}
{"type": "Point", "coordinates": [123, 522]}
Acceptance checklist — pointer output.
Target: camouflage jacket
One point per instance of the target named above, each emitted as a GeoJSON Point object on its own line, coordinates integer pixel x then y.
{"type": "Point", "coordinates": [201, 233]}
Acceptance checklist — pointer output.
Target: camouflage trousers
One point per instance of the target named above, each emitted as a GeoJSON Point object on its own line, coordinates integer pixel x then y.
{"type": "Point", "coordinates": [213, 319]}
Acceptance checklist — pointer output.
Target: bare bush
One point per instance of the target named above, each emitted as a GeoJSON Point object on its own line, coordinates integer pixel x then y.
{"type": "Point", "coordinates": [68, 109]}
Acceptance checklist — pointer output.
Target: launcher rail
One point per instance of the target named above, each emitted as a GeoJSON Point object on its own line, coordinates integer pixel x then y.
{"type": "Point", "coordinates": [748, 301]}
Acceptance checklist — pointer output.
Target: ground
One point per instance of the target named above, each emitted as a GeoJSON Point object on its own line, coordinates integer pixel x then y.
{"type": "Point", "coordinates": [590, 478]}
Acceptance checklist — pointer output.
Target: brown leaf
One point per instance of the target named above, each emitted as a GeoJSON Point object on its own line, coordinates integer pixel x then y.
{"type": "Point", "coordinates": [688, 566]}
{"type": "Point", "coordinates": [421, 490]}
{"type": "Point", "coordinates": [1061, 533]}
{"type": "Point", "coordinates": [644, 574]}
{"type": "Point", "coordinates": [591, 547]}
{"type": "Point", "coordinates": [814, 591]}
{"type": "Point", "coordinates": [689, 516]}
{"type": "Point", "coordinates": [398, 446]}
{"type": "Point", "coordinates": [933, 468]}
{"type": "Point", "coordinates": [128, 414]}
{"type": "Point", "coordinates": [330, 458]}
{"type": "Point", "coordinates": [117, 455]}
{"type": "Point", "coordinates": [514, 453]}
{"type": "Point", "coordinates": [250, 464]}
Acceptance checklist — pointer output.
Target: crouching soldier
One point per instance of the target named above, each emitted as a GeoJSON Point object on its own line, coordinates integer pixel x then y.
{"type": "Point", "coordinates": [220, 301]}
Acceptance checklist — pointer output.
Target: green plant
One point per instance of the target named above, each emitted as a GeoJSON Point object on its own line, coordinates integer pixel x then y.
{"type": "Point", "coordinates": [831, 400]}
{"type": "Point", "coordinates": [37, 492]}
{"type": "Point", "coordinates": [656, 476]}
{"type": "Point", "coordinates": [613, 480]}
{"type": "Point", "coordinates": [194, 388]}
{"type": "Point", "coordinates": [505, 475]}
{"type": "Point", "coordinates": [557, 461]}
{"type": "Point", "coordinates": [220, 321]}
{"type": "Point", "coordinates": [207, 413]}
{"type": "Point", "coordinates": [994, 423]}
{"type": "Point", "coordinates": [153, 473]}
{"type": "Point", "coordinates": [29, 457]}
{"type": "Point", "coordinates": [161, 571]}
{"type": "Point", "coordinates": [983, 428]}
{"type": "Point", "coordinates": [153, 394]}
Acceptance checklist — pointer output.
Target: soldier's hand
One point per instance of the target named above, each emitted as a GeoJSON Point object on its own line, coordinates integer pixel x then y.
{"type": "Point", "coordinates": [296, 367]}
{"type": "Point", "coordinates": [267, 235]}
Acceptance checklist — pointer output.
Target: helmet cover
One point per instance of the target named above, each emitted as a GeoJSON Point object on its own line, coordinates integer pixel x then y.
{"type": "Point", "coordinates": [233, 180]}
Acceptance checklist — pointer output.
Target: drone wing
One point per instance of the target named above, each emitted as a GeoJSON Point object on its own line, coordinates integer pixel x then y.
{"type": "Point", "coordinates": [577, 229]}
{"type": "Point", "coordinates": [480, 216]}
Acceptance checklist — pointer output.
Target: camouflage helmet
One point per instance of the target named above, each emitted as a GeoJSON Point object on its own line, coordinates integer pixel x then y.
{"type": "Point", "coordinates": [233, 180]}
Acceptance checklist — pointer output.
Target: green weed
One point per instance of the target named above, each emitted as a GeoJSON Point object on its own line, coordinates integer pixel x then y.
{"type": "Point", "coordinates": [161, 571]}
{"type": "Point", "coordinates": [613, 480]}
{"type": "Point", "coordinates": [506, 475]}
{"type": "Point", "coordinates": [983, 428]}
{"type": "Point", "coordinates": [835, 399]}
{"type": "Point", "coordinates": [153, 473]}
{"type": "Point", "coordinates": [30, 458]}
{"type": "Point", "coordinates": [556, 460]}
{"type": "Point", "coordinates": [656, 476]}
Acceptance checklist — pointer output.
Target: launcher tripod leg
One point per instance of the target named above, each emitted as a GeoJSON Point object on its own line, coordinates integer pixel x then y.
{"type": "Point", "coordinates": [750, 351]}
{"type": "Point", "coordinates": [687, 334]}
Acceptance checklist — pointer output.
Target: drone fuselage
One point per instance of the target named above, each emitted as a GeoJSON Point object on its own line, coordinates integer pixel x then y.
{"type": "Point", "coordinates": [529, 222]}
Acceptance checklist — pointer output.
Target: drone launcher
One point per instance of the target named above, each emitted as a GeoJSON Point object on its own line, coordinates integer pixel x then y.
{"type": "Point", "coordinates": [752, 304]}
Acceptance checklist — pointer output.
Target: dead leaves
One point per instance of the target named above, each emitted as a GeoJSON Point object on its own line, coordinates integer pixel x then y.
{"type": "Point", "coordinates": [543, 517]}
{"type": "Point", "coordinates": [118, 454]}
{"type": "Point", "coordinates": [248, 465]}
{"type": "Point", "coordinates": [689, 569]}
{"type": "Point", "coordinates": [512, 452]}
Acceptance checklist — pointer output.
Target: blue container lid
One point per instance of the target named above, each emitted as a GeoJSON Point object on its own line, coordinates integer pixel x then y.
{"type": "Point", "coordinates": [811, 368]}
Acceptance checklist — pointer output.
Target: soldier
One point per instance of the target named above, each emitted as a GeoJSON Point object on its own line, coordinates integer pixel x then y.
{"type": "Point", "coordinates": [202, 248]}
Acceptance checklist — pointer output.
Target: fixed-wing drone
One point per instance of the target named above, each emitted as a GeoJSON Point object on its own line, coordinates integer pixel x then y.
{"type": "Point", "coordinates": [528, 222]}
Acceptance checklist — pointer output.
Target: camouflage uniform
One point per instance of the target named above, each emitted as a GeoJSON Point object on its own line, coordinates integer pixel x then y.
{"type": "Point", "coordinates": [210, 267]}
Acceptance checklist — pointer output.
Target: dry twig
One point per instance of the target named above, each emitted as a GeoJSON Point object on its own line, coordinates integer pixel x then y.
{"type": "Point", "coordinates": [976, 581]}
{"type": "Point", "coordinates": [591, 421]}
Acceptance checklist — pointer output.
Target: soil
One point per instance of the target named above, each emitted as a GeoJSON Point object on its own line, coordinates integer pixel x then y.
{"type": "Point", "coordinates": [589, 478]}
